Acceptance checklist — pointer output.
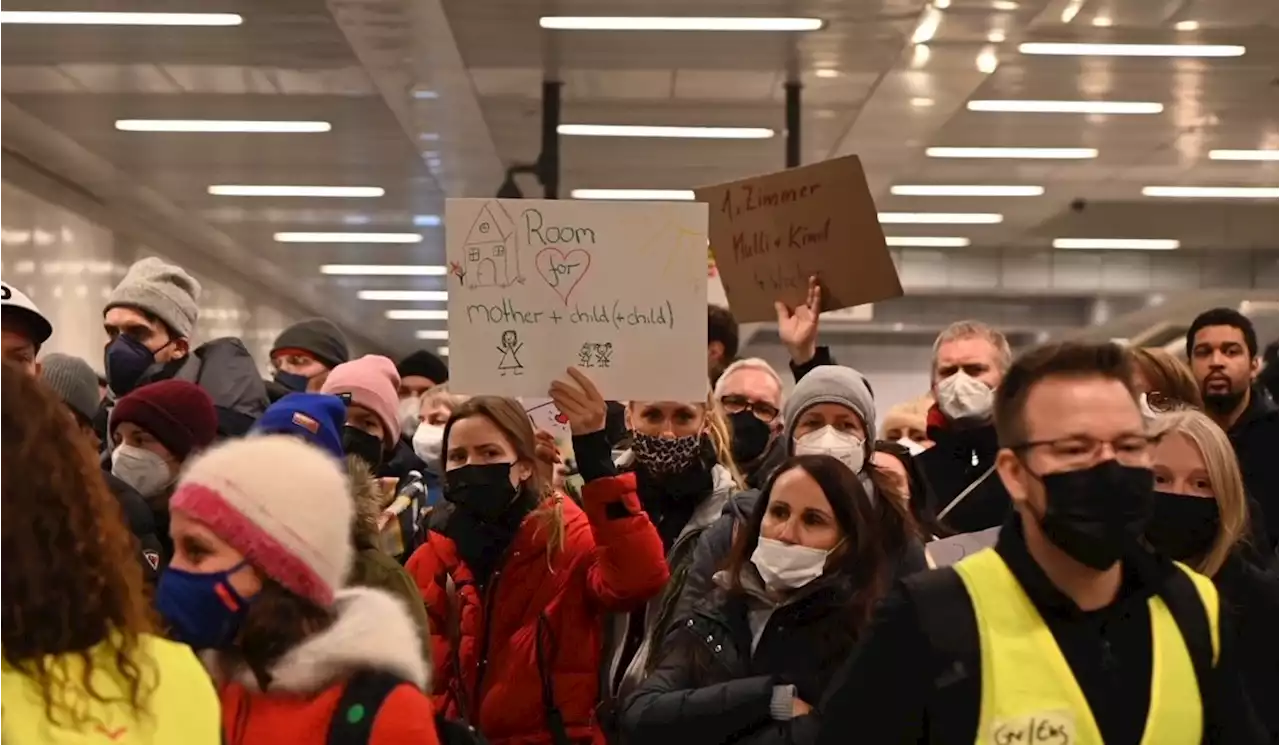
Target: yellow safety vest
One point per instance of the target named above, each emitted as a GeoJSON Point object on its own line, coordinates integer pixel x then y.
{"type": "Point", "coordinates": [1029, 694]}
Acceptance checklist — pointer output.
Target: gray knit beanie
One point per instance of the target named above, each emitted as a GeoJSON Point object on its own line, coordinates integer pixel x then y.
{"type": "Point", "coordinates": [317, 337]}
{"type": "Point", "coordinates": [829, 384]}
{"type": "Point", "coordinates": [164, 290]}
{"type": "Point", "coordinates": [74, 381]}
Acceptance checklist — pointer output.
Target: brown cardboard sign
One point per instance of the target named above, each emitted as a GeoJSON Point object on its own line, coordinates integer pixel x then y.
{"type": "Point", "coordinates": [771, 233]}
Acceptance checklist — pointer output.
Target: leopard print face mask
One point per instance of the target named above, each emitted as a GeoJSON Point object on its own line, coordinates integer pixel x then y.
{"type": "Point", "coordinates": [663, 456]}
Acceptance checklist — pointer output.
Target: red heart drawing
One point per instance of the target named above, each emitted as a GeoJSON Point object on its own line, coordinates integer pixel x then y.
{"type": "Point", "coordinates": [562, 271]}
{"type": "Point", "coordinates": [562, 418]}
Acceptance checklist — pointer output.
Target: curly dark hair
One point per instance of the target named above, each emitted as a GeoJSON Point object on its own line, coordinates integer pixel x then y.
{"type": "Point", "coordinates": [71, 581]}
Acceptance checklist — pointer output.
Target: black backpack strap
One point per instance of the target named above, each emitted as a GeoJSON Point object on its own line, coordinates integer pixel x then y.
{"type": "Point", "coordinates": [1179, 593]}
{"type": "Point", "coordinates": [555, 720]}
{"type": "Point", "coordinates": [357, 710]}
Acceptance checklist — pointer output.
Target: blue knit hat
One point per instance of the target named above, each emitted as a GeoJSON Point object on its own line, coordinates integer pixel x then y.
{"type": "Point", "coordinates": [317, 418]}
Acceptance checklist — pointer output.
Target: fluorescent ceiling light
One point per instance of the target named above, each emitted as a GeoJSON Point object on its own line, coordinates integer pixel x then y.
{"type": "Point", "coordinates": [673, 195]}
{"type": "Point", "coordinates": [384, 270]}
{"type": "Point", "coordinates": [826, 72]}
{"type": "Point", "coordinates": [408, 296]}
{"type": "Point", "coordinates": [1067, 107]}
{"type": "Point", "coordinates": [1131, 50]}
{"type": "Point", "coordinates": [348, 237]}
{"type": "Point", "coordinates": [664, 23]}
{"type": "Point", "coordinates": [1244, 155]}
{"type": "Point", "coordinates": [81, 18]}
{"type": "Point", "coordinates": [426, 221]}
{"type": "Point", "coordinates": [965, 190]}
{"type": "Point", "coordinates": [924, 241]}
{"type": "Point", "coordinates": [1133, 244]}
{"type": "Point", "coordinates": [432, 334]}
{"type": "Point", "coordinates": [940, 218]}
{"type": "Point", "coordinates": [1030, 153]}
{"type": "Point", "coordinates": [220, 125]}
{"type": "Point", "coordinates": [442, 351]}
{"type": "Point", "coordinates": [627, 130]}
{"type": "Point", "coordinates": [1212, 192]}
{"type": "Point", "coordinates": [415, 314]}
{"type": "Point", "coordinates": [258, 190]}
{"type": "Point", "coordinates": [1187, 25]}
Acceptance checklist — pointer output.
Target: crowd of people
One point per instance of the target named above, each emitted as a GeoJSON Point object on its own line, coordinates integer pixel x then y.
{"type": "Point", "coordinates": [1076, 544]}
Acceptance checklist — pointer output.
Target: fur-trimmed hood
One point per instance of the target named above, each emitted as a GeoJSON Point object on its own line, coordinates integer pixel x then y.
{"type": "Point", "coordinates": [367, 496]}
{"type": "Point", "coordinates": [372, 631]}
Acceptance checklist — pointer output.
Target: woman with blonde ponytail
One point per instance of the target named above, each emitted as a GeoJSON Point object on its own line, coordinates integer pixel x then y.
{"type": "Point", "coordinates": [681, 462]}
{"type": "Point", "coordinates": [517, 579]}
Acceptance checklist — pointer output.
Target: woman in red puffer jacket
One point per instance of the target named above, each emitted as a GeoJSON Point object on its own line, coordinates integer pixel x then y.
{"type": "Point", "coordinates": [517, 579]}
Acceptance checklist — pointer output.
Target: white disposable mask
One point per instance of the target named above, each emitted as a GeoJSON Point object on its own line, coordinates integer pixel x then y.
{"type": "Point", "coordinates": [407, 412]}
{"type": "Point", "coordinates": [845, 447]}
{"type": "Point", "coordinates": [962, 396]}
{"type": "Point", "coordinates": [141, 469]}
{"type": "Point", "coordinates": [911, 445]}
{"type": "Point", "coordinates": [428, 442]}
{"type": "Point", "coordinates": [788, 566]}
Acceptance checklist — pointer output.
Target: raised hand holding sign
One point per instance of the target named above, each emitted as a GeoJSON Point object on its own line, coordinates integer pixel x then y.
{"type": "Point", "coordinates": [581, 403]}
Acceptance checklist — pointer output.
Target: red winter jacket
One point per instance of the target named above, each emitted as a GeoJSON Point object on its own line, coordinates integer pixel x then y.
{"type": "Point", "coordinates": [612, 561]}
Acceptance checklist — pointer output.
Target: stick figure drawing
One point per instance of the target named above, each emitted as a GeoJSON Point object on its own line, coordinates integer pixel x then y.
{"type": "Point", "coordinates": [510, 347]}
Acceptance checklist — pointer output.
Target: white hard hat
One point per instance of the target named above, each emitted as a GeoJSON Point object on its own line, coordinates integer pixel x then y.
{"type": "Point", "coordinates": [16, 304]}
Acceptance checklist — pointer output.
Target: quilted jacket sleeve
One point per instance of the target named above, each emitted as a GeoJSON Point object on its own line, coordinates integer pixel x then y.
{"type": "Point", "coordinates": [628, 566]}
{"type": "Point", "coordinates": [428, 572]}
{"type": "Point", "coordinates": [670, 707]}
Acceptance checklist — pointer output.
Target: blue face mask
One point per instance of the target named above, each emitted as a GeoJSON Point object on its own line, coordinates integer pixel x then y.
{"type": "Point", "coordinates": [292, 381]}
{"type": "Point", "coordinates": [126, 361]}
{"type": "Point", "coordinates": [203, 610]}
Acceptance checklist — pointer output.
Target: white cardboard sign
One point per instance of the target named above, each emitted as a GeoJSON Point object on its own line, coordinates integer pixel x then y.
{"type": "Point", "coordinates": [617, 289]}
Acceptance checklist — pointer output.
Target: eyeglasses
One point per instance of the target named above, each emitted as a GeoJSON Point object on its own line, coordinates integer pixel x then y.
{"type": "Point", "coordinates": [763, 411]}
{"type": "Point", "coordinates": [1129, 450]}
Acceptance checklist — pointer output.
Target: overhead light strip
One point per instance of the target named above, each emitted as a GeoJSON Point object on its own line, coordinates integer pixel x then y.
{"type": "Point", "coordinates": [1212, 192]}
{"type": "Point", "coordinates": [432, 334]}
{"type": "Point", "coordinates": [1066, 107]}
{"type": "Point", "coordinates": [415, 314]}
{"type": "Point", "coordinates": [408, 296]}
{"type": "Point", "coordinates": [627, 130]}
{"type": "Point", "coordinates": [95, 18]}
{"type": "Point", "coordinates": [1244, 155]}
{"type": "Point", "coordinates": [1131, 50]}
{"type": "Point", "coordinates": [442, 351]}
{"type": "Point", "coordinates": [1130, 244]}
{"type": "Point", "coordinates": [940, 218]}
{"type": "Point", "coordinates": [1029, 153]}
{"type": "Point", "coordinates": [221, 126]}
{"type": "Point", "coordinates": [263, 190]}
{"type": "Point", "coordinates": [671, 195]}
{"type": "Point", "coordinates": [668, 23]}
{"type": "Point", "coordinates": [924, 241]}
{"type": "Point", "coordinates": [348, 237]}
{"type": "Point", "coordinates": [965, 190]}
{"type": "Point", "coordinates": [383, 270]}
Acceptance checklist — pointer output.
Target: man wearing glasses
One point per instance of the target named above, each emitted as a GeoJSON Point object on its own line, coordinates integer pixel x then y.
{"type": "Point", "coordinates": [750, 394]}
{"type": "Point", "coordinates": [1068, 630]}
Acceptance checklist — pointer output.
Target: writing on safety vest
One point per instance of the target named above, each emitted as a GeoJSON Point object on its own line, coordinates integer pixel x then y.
{"type": "Point", "coordinates": [1041, 728]}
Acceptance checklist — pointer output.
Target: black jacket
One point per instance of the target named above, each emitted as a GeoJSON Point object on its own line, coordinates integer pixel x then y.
{"type": "Point", "coordinates": [1256, 438]}
{"type": "Point", "coordinates": [402, 461]}
{"type": "Point", "coordinates": [959, 458]}
{"type": "Point", "coordinates": [717, 541]}
{"type": "Point", "coordinates": [897, 689]}
{"type": "Point", "coordinates": [142, 524]}
{"type": "Point", "coordinates": [709, 686]}
{"type": "Point", "coordinates": [1249, 598]}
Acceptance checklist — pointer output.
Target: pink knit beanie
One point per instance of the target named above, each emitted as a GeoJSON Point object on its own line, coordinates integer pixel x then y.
{"type": "Point", "coordinates": [282, 503]}
{"type": "Point", "coordinates": [374, 384]}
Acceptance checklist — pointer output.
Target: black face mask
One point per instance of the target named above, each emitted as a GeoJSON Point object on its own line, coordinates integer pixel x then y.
{"type": "Point", "coordinates": [1183, 527]}
{"type": "Point", "coordinates": [1094, 514]}
{"type": "Point", "coordinates": [364, 446]}
{"type": "Point", "coordinates": [292, 381]}
{"type": "Point", "coordinates": [485, 491]}
{"type": "Point", "coordinates": [750, 437]}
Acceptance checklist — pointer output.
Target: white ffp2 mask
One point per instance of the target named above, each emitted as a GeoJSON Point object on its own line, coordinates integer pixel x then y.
{"type": "Point", "coordinates": [141, 469]}
{"type": "Point", "coordinates": [962, 396]}
{"type": "Point", "coordinates": [845, 447]}
{"type": "Point", "coordinates": [407, 413]}
{"type": "Point", "coordinates": [428, 442]}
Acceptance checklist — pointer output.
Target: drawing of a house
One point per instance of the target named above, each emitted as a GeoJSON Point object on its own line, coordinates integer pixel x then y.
{"type": "Point", "coordinates": [490, 246]}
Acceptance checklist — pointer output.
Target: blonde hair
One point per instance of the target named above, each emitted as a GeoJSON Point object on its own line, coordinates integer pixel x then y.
{"type": "Point", "coordinates": [1167, 375]}
{"type": "Point", "coordinates": [440, 395]}
{"type": "Point", "coordinates": [1224, 475]}
{"type": "Point", "coordinates": [912, 414]}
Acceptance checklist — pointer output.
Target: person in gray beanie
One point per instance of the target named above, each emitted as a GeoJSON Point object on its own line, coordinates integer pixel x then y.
{"type": "Point", "coordinates": [77, 385]}
{"type": "Point", "coordinates": [303, 355]}
{"type": "Point", "coordinates": [150, 318]}
{"type": "Point", "coordinates": [831, 411]}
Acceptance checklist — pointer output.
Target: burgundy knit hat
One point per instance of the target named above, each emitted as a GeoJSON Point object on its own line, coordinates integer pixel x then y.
{"type": "Point", "coordinates": [177, 413]}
